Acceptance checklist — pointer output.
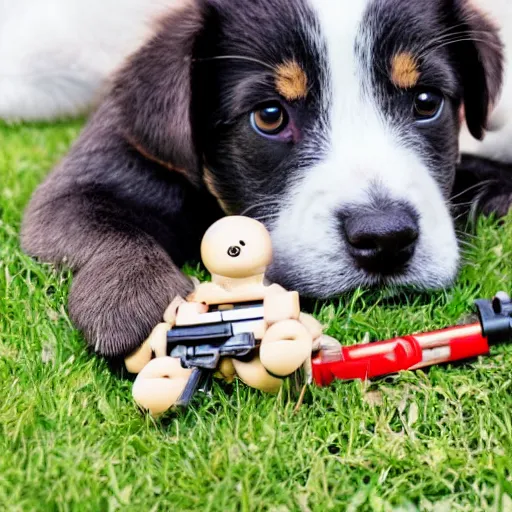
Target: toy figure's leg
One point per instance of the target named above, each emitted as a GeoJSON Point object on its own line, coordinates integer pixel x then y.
{"type": "Point", "coordinates": [160, 384]}
{"type": "Point", "coordinates": [254, 374]}
{"type": "Point", "coordinates": [140, 358]}
{"type": "Point", "coordinates": [226, 370]}
{"type": "Point", "coordinates": [158, 339]}
{"type": "Point", "coordinates": [285, 347]}
{"type": "Point", "coordinates": [156, 343]}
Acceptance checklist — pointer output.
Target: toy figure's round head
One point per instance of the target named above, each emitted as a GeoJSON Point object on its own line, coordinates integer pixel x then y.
{"type": "Point", "coordinates": [236, 247]}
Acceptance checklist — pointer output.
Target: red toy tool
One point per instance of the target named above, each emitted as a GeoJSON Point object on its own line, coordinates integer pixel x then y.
{"type": "Point", "coordinates": [420, 350]}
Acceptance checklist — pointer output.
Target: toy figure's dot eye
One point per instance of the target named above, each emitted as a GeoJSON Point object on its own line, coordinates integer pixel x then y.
{"type": "Point", "coordinates": [242, 243]}
{"type": "Point", "coordinates": [234, 251]}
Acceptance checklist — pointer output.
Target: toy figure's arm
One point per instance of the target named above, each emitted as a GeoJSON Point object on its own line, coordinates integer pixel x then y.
{"type": "Point", "coordinates": [172, 310]}
{"type": "Point", "coordinates": [280, 305]}
{"type": "Point", "coordinates": [210, 293]}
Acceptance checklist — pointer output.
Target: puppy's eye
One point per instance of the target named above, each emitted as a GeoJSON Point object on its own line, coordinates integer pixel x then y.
{"type": "Point", "coordinates": [269, 119]}
{"type": "Point", "coordinates": [427, 105]}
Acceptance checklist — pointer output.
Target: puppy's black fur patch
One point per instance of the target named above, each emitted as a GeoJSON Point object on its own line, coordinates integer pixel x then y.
{"type": "Point", "coordinates": [237, 56]}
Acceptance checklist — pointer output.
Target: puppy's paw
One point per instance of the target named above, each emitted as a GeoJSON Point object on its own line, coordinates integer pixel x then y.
{"type": "Point", "coordinates": [116, 304]}
{"type": "Point", "coordinates": [482, 186]}
{"type": "Point", "coordinates": [497, 204]}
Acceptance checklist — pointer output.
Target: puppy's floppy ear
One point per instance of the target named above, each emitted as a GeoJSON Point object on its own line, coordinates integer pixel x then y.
{"type": "Point", "coordinates": [479, 57]}
{"type": "Point", "coordinates": [154, 91]}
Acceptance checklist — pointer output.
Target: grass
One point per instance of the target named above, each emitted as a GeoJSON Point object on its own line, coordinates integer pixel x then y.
{"type": "Point", "coordinates": [72, 439]}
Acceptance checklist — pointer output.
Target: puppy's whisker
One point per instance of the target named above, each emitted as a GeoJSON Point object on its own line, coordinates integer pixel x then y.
{"type": "Point", "coordinates": [458, 205]}
{"type": "Point", "coordinates": [270, 216]}
{"type": "Point", "coordinates": [455, 38]}
{"type": "Point", "coordinates": [458, 217]}
{"type": "Point", "coordinates": [236, 57]}
{"type": "Point", "coordinates": [467, 240]}
{"type": "Point", "coordinates": [466, 255]}
{"type": "Point", "coordinates": [442, 38]}
{"type": "Point", "coordinates": [460, 34]}
{"type": "Point", "coordinates": [491, 44]}
{"type": "Point", "coordinates": [467, 260]}
{"type": "Point", "coordinates": [472, 187]}
{"type": "Point", "coordinates": [467, 248]}
{"type": "Point", "coordinates": [448, 30]}
{"type": "Point", "coordinates": [462, 208]}
{"type": "Point", "coordinates": [462, 239]}
{"type": "Point", "coordinates": [265, 203]}
{"type": "Point", "coordinates": [465, 234]}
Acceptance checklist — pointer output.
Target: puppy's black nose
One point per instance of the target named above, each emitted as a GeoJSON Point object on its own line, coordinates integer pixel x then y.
{"type": "Point", "coordinates": [381, 241]}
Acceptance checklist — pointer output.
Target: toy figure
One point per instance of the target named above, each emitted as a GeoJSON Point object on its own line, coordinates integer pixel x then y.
{"type": "Point", "coordinates": [235, 325]}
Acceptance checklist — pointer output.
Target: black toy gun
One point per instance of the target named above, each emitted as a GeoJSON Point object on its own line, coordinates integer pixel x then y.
{"type": "Point", "coordinates": [228, 333]}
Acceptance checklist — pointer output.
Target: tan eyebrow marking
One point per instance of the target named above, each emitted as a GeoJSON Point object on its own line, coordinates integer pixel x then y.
{"type": "Point", "coordinates": [405, 71]}
{"type": "Point", "coordinates": [291, 81]}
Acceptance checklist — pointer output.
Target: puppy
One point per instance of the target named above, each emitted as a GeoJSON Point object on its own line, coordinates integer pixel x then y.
{"type": "Point", "coordinates": [56, 55]}
{"type": "Point", "coordinates": [335, 123]}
